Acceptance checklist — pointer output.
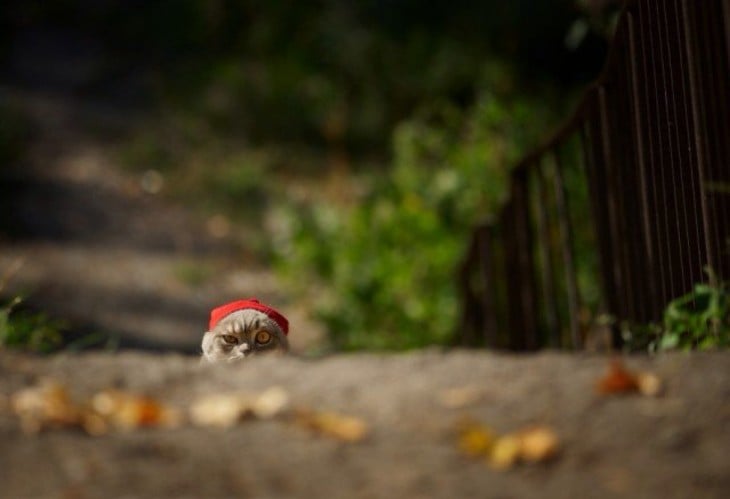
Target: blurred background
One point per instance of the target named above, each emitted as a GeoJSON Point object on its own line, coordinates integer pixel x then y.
{"type": "Point", "coordinates": [159, 158]}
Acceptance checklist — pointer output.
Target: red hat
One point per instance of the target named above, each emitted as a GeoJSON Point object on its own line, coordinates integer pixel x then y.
{"type": "Point", "coordinates": [219, 312]}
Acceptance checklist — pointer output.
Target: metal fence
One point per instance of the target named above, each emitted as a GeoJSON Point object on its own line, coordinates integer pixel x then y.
{"type": "Point", "coordinates": [650, 141]}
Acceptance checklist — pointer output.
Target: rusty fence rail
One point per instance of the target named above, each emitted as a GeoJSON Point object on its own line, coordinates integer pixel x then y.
{"type": "Point", "coordinates": [650, 144]}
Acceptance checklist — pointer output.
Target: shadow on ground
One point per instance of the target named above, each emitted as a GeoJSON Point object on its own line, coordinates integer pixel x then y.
{"type": "Point", "coordinates": [93, 249]}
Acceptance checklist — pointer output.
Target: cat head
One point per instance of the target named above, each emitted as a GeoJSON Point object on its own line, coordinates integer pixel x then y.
{"type": "Point", "coordinates": [243, 328]}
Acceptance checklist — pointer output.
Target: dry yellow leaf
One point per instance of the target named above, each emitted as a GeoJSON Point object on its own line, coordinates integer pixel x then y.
{"type": "Point", "coordinates": [538, 444]}
{"type": "Point", "coordinates": [46, 405]}
{"type": "Point", "coordinates": [529, 445]}
{"type": "Point", "coordinates": [94, 424]}
{"type": "Point", "coordinates": [220, 410]}
{"type": "Point", "coordinates": [128, 411]}
{"type": "Point", "coordinates": [649, 384]}
{"type": "Point", "coordinates": [475, 439]}
{"type": "Point", "coordinates": [457, 398]}
{"type": "Point", "coordinates": [226, 409]}
{"type": "Point", "coordinates": [505, 452]}
{"type": "Point", "coordinates": [270, 403]}
{"type": "Point", "coordinates": [345, 428]}
{"type": "Point", "coordinates": [49, 405]}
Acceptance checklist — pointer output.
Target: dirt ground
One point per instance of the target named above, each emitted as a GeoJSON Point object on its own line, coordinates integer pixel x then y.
{"type": "Point", "coordinates": [675, 445]}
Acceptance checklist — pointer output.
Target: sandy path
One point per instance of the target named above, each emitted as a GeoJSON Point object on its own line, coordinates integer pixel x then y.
{"type": "Point", "coordinates": [674, 446]}
{"type": "Point", "coordinates": [97, 250]}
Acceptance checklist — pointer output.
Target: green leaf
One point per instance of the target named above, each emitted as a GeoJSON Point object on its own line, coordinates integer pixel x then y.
{"type": "Point", "coordinates": [669, 342]}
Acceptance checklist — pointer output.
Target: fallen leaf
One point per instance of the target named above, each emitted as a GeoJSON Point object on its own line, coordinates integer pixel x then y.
{"type": "Point", "coordinates": [46, 405]}
{"type": "Point", "coordinates": [534, 444]}
{"type": "Point", "coordinates": [226, 409]}
{"type": "Point", "coordinates": [457, 398]}
{"type": "Point", "coordinates": [270, 403]}
{"type": "Point", "coordinates": [617, 380]}
{"type": "Point", "coordinates": [538, 444]}
{"type": "Point", "coordinates": [49, 405]}
{"type": "Point", "coordinates": [219, 410]}
{"type": "Point", "coordinates": [475, 439]}
{"type": "Point", "coordinates": [94, 424]}
{"type": "Point", "coordinates": [649, 384]}
{"type": "Point", "coordinates": [128, 411]}
{"type": "Point", "coordinates": [505, 452]}
{"type": "Point", "coordinates": [345, 428]}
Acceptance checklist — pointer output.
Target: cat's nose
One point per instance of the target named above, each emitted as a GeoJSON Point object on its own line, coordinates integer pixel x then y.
{"type": "Point", "coordinates": [244, 347]}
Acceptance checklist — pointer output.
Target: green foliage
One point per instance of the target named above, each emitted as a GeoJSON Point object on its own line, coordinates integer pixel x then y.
{"type": "Point", "coordinates": [699, 320]}
{"type": "Point", "coordinates": [344, 85]}
{"type": "Point", "coordinates": [32, 331]}
{"type": "Point", "coordinates": [28, 330]}
{"type": "Point", "coordinates": [326, 71]}
{"type": "Point", "coordinates": [384, 267]}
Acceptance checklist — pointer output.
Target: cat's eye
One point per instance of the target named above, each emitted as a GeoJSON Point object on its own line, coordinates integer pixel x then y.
{"type": "Point", "coordinates": [263, 337]}
{"type": "Point", "coordinates": [230, 339]}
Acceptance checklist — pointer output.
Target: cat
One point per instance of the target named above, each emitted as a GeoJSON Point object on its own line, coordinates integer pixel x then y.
{"type": "Point", "coordinates": [244, 328]}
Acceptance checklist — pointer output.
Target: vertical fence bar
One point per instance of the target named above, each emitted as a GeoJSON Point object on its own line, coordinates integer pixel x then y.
{"type": "Point", "coordinates": [640, 156]}
{"type": "Point", "coordinates": [469, 301]}
{"type": "Point", "coordinates": [566, 244]}
{"type": "Point", "coordinates": [614, 234]}
{"type": "Point", "coordinates": [706, 90]}
{"type": "Point", "coordinates": [624, 182]}
{"type": "Point", "coordinates": [545, 248]}
{"type": "Point", "coordinates": [485, 242]}
{"type": "Point", "coordinates": [720, 78]}
{"type": "Point", "coordinates": [697, 246]}
{"type": "Point", "coordinates": [523, 325]}
{"type": "Point", "coordinates": [478, 324]}
{"type": "Point", "coordinates": [668, 43]}
{"type": "Point", "coordinates": [655, 197]}
{"type": "Point", "coordinates": [664, 188]}
{"type": "Point", "coordinates": [599, 194]}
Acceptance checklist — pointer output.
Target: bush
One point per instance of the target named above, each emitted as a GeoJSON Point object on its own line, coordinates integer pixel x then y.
{"type": "Point", "coordinates": [699, 320]}
{"type": "Point", "coordinates": [384, 268]}
{"type": "Point", "coordinates": [28, 330]}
